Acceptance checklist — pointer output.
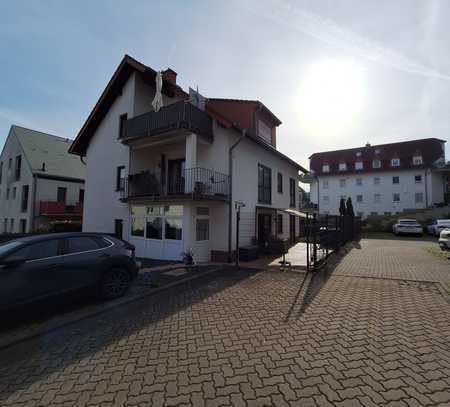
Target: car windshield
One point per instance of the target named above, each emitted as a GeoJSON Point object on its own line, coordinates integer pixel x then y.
{"type": "Point", "coordinates": [408, 222]}
{"type": "Point", "coordinates": [444, 222]}
{"type": "Point", "coordinates": [6, 247]}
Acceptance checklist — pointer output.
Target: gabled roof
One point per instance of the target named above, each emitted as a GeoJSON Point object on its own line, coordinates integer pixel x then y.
{"type": "Point", "coordinates": [127, 66]}
{"type": "Point", "coordinates": [241, 111]}
{"type": "Point", "coordinates": [40, 148]}
{"type": "Point", "coordinates": [429, 148]}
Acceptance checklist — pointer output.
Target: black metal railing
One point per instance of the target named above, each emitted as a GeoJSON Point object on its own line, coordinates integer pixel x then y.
{"type": "Point", "coordinates": [196, 183]}
{"type": "Point", "coordinates": [178, 115]}
{"type": "Point", "coordinates": [326, 234]}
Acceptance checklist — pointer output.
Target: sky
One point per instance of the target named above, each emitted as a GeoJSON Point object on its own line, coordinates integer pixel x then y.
{"type": "Point", "coordinates": [338, 74]}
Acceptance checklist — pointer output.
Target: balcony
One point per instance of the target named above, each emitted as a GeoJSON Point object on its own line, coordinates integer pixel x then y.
{"type": "Point", "coordinates": [176, 116]}
{"type": "Point", "coordinates": [55, 208]}
{"type": "Point", "coordinates": [190, 183]}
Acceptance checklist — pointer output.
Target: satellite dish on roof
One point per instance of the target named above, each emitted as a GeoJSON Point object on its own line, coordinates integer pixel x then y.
{"type": "Point", "coordinates": [197, 99]}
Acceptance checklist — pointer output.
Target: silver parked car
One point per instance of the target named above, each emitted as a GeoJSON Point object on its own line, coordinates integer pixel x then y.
{"type": "Point", "coordinates": [437, 226]}
{"type": "Point", "coordinates": [407, 226]}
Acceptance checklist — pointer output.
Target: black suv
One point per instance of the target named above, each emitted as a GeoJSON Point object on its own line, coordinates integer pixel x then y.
{"type": "Point", "coordinates": [36, 267]}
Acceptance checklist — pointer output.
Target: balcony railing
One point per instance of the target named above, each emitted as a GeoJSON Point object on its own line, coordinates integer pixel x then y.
{"type": "Point", "coordinates": [179, 115]}
{"type": "Point", "coordinates": [192, 183]}
{"type": "Point", "coordinates": [51, 208]}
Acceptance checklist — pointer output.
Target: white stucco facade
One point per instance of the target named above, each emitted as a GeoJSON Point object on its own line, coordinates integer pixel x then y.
{"type": "Point", "coordinates": [33, 186]}
{"type": "Point", "coordinates": [103, 206]}
{"type": "Point", "coordinates": [381, 193]}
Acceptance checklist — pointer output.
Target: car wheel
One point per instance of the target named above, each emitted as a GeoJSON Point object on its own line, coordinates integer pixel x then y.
{"type": "Point", "coordinates": [115, 283]}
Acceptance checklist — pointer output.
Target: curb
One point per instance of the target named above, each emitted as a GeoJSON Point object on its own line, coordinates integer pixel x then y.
{"type": "Point", "coordinates": [104, 307]}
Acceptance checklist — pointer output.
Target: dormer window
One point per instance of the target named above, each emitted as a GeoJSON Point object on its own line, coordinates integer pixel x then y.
{"type": "Point", "coordinates": [325, 168]}
{"type": "Point", "coordinates": [376, 164]}
{"type": "Point", "coordinates": [395, 162]}
{"type": "Point", "coordinates": [342, 166]}
{"type": "Point", "coordinates": [417, 160]}
{"type": "Point", "coordinates": [359, 165]}
{"type": "Point", "coordinates": [358, 154]}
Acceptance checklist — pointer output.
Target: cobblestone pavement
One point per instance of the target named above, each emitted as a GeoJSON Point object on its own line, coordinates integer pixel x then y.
{"type": "Point", "coordinates": [395, 259]}
{"type": "Point", "coordinates": [247, 339]}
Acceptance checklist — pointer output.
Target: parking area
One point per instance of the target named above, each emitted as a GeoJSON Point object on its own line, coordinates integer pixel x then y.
{"type": "Point", "coordinates": [372, 332]}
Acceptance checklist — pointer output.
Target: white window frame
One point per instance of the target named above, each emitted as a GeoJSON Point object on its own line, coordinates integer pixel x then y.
{"type": "Point", "coordinates": [325, 184]}
{"type": "Point", "coordinates": [342, 166]}
{"type": "Point", "coordinates": [375, 182]}
{"type": "Point", "coordinates": [359, 182]}
{"type": "Point", "coordinates": [342, 182]}
{"type": "Point", "coordinates": [376, 163]}
{"type": "Point", "coordinates": [395, 162]}
{"type": "Point", "coordinates": [417, 160]}
{"type": "Point", "coordinates": [393, 197]}
{"type": "Point", "coordinates": [415, 179]}
{"type": "Point", "coordinates": [359, 165]}
{"type": "Point", "coordinates": [203, 217]}
{"type": "Point", "coordinates": [326, 168]}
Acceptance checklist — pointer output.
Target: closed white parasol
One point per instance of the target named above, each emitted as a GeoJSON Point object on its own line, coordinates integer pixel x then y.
{"type": "Point", "coordinates": [157, 100]}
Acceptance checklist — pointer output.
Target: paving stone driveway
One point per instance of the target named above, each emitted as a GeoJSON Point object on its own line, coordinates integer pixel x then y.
{"type": "Point", "coordinates": [243, 338]}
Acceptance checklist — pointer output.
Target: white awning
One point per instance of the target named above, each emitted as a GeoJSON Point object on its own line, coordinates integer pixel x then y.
{"type": "Point", "coordinates": [294, 212]}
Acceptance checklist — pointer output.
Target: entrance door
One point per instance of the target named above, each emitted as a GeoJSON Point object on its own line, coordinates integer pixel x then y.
{"type": "Point", "coordinates": [264, 227]}
{"type": "Point", "coordinates": [292, 228]}
{"type": "Point", "coordinates": [175, 176]}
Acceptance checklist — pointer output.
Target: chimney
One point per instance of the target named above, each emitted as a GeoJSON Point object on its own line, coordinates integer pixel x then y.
{"type": "Point", "coordinates": [367, 144]}
{"type": "Point", "coordinates": [170, 76]}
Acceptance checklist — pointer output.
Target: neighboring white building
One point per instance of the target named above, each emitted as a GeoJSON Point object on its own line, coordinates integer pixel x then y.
{"type": "Point", "coordinates": [39, 181]}
{"type": "Point", "coordinates": [381, 180]}
{"type": "Point", "coordinates": [162, 179]}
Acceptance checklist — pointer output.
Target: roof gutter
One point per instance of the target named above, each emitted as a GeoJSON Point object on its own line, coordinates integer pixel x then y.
{"type": "Point", "coordinates": [230, 171]}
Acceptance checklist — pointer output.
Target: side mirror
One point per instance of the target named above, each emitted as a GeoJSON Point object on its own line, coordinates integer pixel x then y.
{"type": "Point", "coordinates": [12, 262]}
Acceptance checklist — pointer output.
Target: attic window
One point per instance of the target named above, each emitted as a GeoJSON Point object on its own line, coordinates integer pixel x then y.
{"type": "Point", "coordinates": [376, 164]}
{"type": "Point", "coordinates": [377, 151]}
{"type": "Point", "coordinates": [395, 162]}
{"type": "Point", "coordinates": [358, 154]}
{"type": "Point", "coordinates": [359, 165]}
{"type": "Point", "coordinates": [342, 166]}
{"type": "Point", "coordinates": [417, 160]}
{"type": "Point", "coordinates": [325, 168]}
{"type": "Point", "coordinates": [265, 132]}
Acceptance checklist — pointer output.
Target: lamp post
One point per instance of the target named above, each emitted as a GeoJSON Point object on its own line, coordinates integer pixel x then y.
{"type": "Point", "coordinates": [237, 206]}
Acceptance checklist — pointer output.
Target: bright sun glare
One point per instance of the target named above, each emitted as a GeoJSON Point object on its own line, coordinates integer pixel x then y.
{"type": "Point", "coordinates": [331, 96]}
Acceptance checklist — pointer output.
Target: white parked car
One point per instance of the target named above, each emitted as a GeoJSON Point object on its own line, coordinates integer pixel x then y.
{"type": "Point", "coordinates": [444, 239]}
{"type": "Point", "coordinates": [407, 226]}
{"type": "Point", "coordinates": [438, 226]}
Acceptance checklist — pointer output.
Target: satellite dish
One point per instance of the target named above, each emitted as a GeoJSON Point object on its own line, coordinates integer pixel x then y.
{"type": "Point", "coordinates": [197, 99]}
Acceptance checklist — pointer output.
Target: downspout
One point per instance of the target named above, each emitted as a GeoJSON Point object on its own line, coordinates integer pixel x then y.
{"type": "Point", "coordinates": [426, 188]}
{"type": "Point", "coordinates": [230, 171]}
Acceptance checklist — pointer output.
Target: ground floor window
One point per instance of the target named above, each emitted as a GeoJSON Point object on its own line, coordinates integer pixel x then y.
{"type": "Point", "coordinates": [23, 226]}
{"type": "Point", "coordinates": [279, 223]}
{"type": "Point", "coordinates": [202, 230]}
{"type": "Point", "coordinates": [157, 222]}
{"type": "Point", "coordinates": [118, 228]}
{"type": "Point", "coordinates": [202, 224]}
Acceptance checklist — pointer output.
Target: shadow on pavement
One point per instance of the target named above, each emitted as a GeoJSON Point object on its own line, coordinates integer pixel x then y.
{"type": "Point", "coordinates": [58, 350]}
{"type": "Point", "coordinates": [314, 281]}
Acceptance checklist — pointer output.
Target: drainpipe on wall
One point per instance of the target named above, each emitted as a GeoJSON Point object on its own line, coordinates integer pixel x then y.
{"type": "Point", "coordinates": [230, 171]}
{"type": "Point", "coordinates": [426, 188]}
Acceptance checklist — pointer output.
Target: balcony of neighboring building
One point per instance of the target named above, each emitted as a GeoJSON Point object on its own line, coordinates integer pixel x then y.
{"type": "Point", "coordinates": [180, 117]}
{"type": "Point", "coordinates": [60, 209]}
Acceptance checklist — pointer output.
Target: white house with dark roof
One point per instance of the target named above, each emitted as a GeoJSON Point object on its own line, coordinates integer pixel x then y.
{"type": "Point", "coordinates": [168, 180]}
{"type": "Point", "coordinates": [381, 179]}
{"type": "Point", "coordinates": [39, 181]}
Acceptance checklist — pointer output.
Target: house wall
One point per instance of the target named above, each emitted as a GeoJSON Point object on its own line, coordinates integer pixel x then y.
{"type": "Point", "coordinates": [105, 153]}
{"type": "Point", "coordinates": [11, 208]}
{"type": "Point", "coordinates": [431, 185]}
{"type": "Point", "coordinates": [47, 190]}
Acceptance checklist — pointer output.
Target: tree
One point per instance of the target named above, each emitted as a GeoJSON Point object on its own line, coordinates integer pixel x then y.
{"type": "Point", "coordinates": [342, 209]}
{"type": "Point", "coordinates": [349, 208]}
